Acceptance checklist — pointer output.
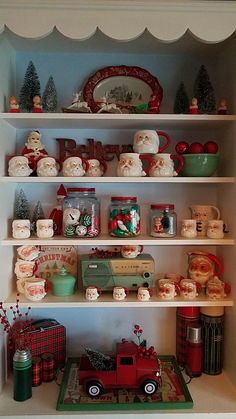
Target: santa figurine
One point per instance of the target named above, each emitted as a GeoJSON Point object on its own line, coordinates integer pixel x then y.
{"type": "Point", "coordinates": [34, 149]}
{"type": "Point", "coordinates": [193, 108]}
{"type": "Point", "coordinates": [37, 107]}
{"type": "Point", "coordinates": [222, 108]}
{"type": "Point", "coordinates": [154, 104]}
{"type": "Point", "coordinates": [56, 214]}
{"type": "Point", "coordinates": [14, 105]}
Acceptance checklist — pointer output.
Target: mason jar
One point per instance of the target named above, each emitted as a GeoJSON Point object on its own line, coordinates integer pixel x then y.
{"type": "Point", "coordinates": [163, 221]}
{"type": "Point", "coordinates": [81, 213]}
{"type": "Point", "coordinates": [124, 217]}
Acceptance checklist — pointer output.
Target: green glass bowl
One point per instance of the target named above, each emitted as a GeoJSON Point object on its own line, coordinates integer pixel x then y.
{"type": "Point", "coordinates": [203, 164]}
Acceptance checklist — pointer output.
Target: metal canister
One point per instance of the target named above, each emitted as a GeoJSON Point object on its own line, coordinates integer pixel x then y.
{"type": "Point", "coordinates": [212, 320]}
{"type": "Point", "coordinates": [48, 366]}
{"type": "Point", "coordinates": [185, 316]}
{"type": "Point", "coordinates": [22, 375]}
{"type": "Point", "coordinates": [37, 371]}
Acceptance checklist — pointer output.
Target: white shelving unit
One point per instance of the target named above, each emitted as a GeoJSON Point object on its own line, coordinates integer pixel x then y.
{"type": "Point", "coordinates": [170, 39]}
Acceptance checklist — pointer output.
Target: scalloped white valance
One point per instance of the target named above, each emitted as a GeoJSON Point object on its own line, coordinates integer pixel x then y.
{"type": "Point", "coordinates": [123, 20]}
{"type": "Point", "coordinates": [210, 21]}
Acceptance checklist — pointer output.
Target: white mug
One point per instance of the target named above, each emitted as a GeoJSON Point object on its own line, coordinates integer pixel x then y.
{"type": "Point", "coordinates": [19, 166]}
{"type": "Point", "coordinates": [163, 165]}
{"type": "Point", "coordinates": [131, 251]}
{"type": "Point", "coordinates": [28, 252]}
{"type": "Point", "coordinates": [21, 229]}
{"type": "Point", "coordinates": [92, 293]}
{"type": "Point", "coordinates": [147, 141]}
{"type": "Point", "coordinates": [130, 164]}
{"type": "Point", "coordinates": [75, 166]}
{"type": "Point", "coordinates": [24, 268]}
{"type": "Point", "coordinates": [96, 168]}
{"type": "Point", "coordinates": [189, 228]}
{"type": "Point", "coordinates": [215, 229]}
{"type": "Point", "coordinates": [167, 289]}
{"type": "Point", "coordinates": [189, 289]}
{"type": "Point", "coordinates": [202, 214]}
{"type": "Point", "coordinates": [47, 166]}
{"type": "Point", "coordinates": [217, 289]}
{"type": "Point", "coordinates": [144, 293]}
{"type": "Point", "coordinates": [34, 289]}
{"type": "Point", "coordinates": [44, 228]}
{"type": "Point", "coordinates": [120, 293]}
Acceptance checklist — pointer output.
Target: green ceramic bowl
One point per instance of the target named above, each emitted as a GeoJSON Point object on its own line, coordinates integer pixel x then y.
{"type": "Point", "coordinates": [204, 164]}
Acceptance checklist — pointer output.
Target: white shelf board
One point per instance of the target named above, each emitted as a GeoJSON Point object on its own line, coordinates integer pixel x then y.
{"type": "Point", "coordinates": [105, 300]}
{"type": "Point", "coordinates": [110, 241]}
{"type": "Point", "coordinates": [116, 179]}
{"type": "Point", "coordinates": [215, 394]}
{"type": "Point", "coordinates": [121, 121]}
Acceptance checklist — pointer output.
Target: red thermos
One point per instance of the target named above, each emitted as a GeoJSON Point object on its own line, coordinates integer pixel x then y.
{"type": "Point", "coordinates": [185, 316]}
{"type": "Point", "coordinates": [194, 351]}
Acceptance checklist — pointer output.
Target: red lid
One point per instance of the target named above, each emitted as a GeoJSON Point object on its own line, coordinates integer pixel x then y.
{"type": "Point", "coordinates": [80, 189]}
{"type": "Point", "coordinates": [124, 198]}
{"type": "Point", "coordinates": [162, 206]}
{"type": "Point", "coordinates": [188, 311]}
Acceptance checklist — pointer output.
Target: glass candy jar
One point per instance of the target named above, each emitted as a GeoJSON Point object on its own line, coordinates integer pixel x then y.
{"type": "Point", "coordinates": [162, 220]}
{"type": "Point", "coordinates": [124, 219]}
{"type": "Point", "coordinates": [81, 213]}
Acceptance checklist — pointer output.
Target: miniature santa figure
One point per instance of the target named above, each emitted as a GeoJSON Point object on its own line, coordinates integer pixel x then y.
{"type": "Point", "coordinates": [14, 105]}
{"type": "Point", "coordinates": [37, 107]}
{"type": "Point", "coordinates": [193, 108]}
{"type": "Point", "coordinates": [56, 214]}
{"type": "Point", "coordinates": [34, 149]}
{"type": "Point", "coordinates": [222, 108]}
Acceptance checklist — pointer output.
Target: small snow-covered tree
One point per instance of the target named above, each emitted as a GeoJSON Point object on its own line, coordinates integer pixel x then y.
{"type": "Point", "coordinates": [100, 361]}
{"type": "Point", "coordinates": [21, 206]}
{"type": "Point", "coordinates": [181, 104]}
{"type": "Point", "coordinates": [49, 99]}
{"type": "Point", "coordinates": [37, 214]}
{"type": "Point", "coordinates": [30, 88]}
{"type": "Point", "coordinates": [204, 92]}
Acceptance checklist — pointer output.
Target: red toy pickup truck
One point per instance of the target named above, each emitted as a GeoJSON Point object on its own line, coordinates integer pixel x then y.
{"type": "Point", "coordinates": [131, 370]}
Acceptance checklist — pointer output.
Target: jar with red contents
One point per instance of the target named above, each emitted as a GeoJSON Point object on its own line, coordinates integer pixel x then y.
{"type": "Point", "coordinates": [163, 221]}
{"type": "Point", "coordinates": [124, 218]}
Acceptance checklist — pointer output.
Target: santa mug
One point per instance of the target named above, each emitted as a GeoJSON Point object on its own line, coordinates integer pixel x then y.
{"type": "Point", "coordinates": [19, 166]}
{"type": "Point", "coordinates": [24, 268]}
{"type": "Point", "coordinates": [48, 166]}
{"type": "Point", "coordinates": [120, 293]}
{"type": "Point", "coordinates": [163, 165]}
{"type": "Point", "coordinates": [34, 289]}
{"type": "Point", "coordinates": [168, 289]}
{"type": "Point", "coordinates": [131, 251]}
{"type": "Point", "coordinates": [96, 168]}
{"type": "Point", "coordinates": [215, 229]}
{"type": "Point", "coordinates": [217, 289]}
{"type": "Point", "coordinates": [92, 293]}
{"type": "Point", "coordinates": [21, 229]}
{"type": "Point", "coordinates": [189, 228]}
{"type": "Point", "coordinates": [130, 164]}
{"type": "Point", "coordinates": [28, 252]}
{"type": "Point", "coordinates": [75, 166]}
{"type": "Point", "coordinates": [144, 293]}
{"type": "Point", "coordinates": [148, 141]}
{"type": "Point", "coordinates": [189, 289]}
{"type": "Point", "coordinates": [44, 229]}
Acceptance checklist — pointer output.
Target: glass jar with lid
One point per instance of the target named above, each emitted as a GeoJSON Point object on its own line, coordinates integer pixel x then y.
{"type": "Point", "coordinates": [124, 218]}
{"type": "Point", "coordinates": [81, 213]}
{"type": "Point", "coordinates": [163, 221]}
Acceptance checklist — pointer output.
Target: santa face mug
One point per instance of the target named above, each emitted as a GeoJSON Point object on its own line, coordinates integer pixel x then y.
{"type": "Point", "coordinates": [167, 289]}
{"type": "Point", "coordinates": [144, 293]}
{"type": "Point", "coordinates": [202, 214]}
{"type": "Point", "coordinates": [163, 165]}
{"type": "Point", "coordinates": [130, 251]}
{"type": "Point", "coordinates": [120, 293]}
{"type": "Point", "coordinates": [130, 164]}
{"type": "Point", "coordinates": [217, 289]}
{"type": "Point", "coordinates": [21, 229]}
{"type": "Point", "coordinates": [44, 229]}
{"type": "Point", "coordinates": [96, 168]}
{"type": "Point", "coordinates": [34, 289]}
{"type": "Point", "coordinates": [75, 166]}
{"type": "Point", "coordinates": [92, 293]}
{"type": "Point", "coordinates": [24, 268]}
{"type": "Point", "coordinates": [19, 166]}
{"type": "Point", "coordinates": [28, 252]}
{"type": "Point", "coordinates": [215, 229]}
{"type": "Point", "coordinates": [47, 166]}
{"type": "Point", "coordinates": [189, 228]}
{"type": "Point", "coordinates": [147, 141]}
{"type": "Point", "coordinates": [189, 289]}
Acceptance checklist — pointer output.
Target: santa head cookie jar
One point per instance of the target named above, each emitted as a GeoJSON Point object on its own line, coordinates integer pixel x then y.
{"type": "Point", "coordinates": [204, 267]}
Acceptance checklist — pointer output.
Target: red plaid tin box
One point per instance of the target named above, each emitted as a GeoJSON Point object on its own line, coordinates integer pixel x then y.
{"type": "Point", "coordinates": [47, 336]}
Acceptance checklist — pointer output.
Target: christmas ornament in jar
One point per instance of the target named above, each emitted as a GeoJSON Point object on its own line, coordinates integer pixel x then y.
{"type": "Point", "coordinates": [81, 213]}
{"type": "Point", "coordinates": [124, 218]}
